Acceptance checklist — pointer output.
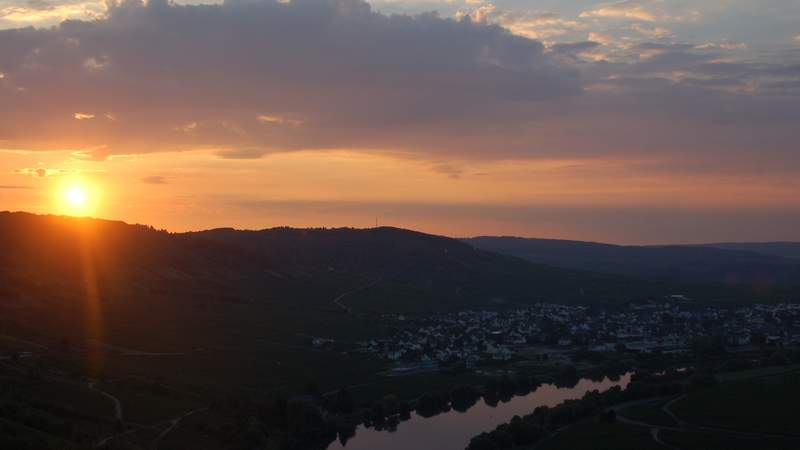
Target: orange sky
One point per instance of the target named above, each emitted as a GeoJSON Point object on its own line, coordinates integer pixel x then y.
{"type": "Point", "coordinates": [194, 190]}
{"type": "Point", "coordinates": [633, 122]}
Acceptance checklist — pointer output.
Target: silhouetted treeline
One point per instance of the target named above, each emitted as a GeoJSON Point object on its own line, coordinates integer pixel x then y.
{"type": "Point", "coordinates": [530, 429]}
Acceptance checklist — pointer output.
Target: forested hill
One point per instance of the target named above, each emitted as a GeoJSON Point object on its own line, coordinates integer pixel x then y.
{"type": "Point", "coordinates": [56, 253]}
{"type": "Point", "coordinates": [783, 249]}
{"type": "Point", "coordinates": [745, 265]}
{"type": "Point", "coordinates": [53, 259]}
{"type": "Point", "coordinates": [426, 266]}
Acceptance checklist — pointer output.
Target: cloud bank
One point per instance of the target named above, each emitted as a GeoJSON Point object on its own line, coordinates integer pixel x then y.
{"type": "Point", "coordinates": [249, 77]}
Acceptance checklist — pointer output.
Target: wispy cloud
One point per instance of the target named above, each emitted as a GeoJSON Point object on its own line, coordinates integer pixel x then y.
{"type": "Point", "coordinates": [628, 9]}
{"type": "Point", "coordinates": [155, 179]}
{"type": "Point", "coordinates": [83, 116]}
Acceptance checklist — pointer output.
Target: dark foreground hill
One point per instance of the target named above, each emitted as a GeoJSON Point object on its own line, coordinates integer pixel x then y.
{"type": "Point", "coordinates": [73, 278]}
{"type": "Point", "coordinates": [222, 323]}
{"type": "Point", "coordinates": [225, 307]}
{"type": "Point", "coordinates": [755, 267]}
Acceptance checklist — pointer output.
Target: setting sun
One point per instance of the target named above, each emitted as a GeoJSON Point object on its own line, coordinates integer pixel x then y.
{"type": "Point", "coordinates": [76, 196]}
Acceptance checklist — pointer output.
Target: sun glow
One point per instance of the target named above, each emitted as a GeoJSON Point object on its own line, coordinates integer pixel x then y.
{"type": "Point", "coordinates": [77, 198]}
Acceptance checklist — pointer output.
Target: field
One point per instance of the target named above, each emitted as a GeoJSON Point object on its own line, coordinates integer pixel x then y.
{"type": "Point", "coordinates": [758, 402]}
{"type": "Point", "coordinates": [649, 412]}
{"type": "Point", "coordinates": [709, 441]}
{"type": "Point", "coordinates": [597, 435]}
{"type": "Point", "coordinates": [765, 405]}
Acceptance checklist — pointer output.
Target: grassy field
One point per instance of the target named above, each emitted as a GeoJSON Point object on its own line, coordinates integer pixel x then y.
{"type": "Point", "coordinates": [41, 412]}
{"type": "Point", "coordinates": [597, 435]}
{"type": "Point", "coordinates": [708, 441]}
{"type": "Point", "coordinates": [756, 373]}
{"type": "Point", "coordinates": [765, 405]}
{"type": "Point", "coordinates": [649, 412]}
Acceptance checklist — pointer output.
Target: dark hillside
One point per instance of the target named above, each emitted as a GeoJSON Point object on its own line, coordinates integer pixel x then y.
{"type": "Point", "coordinates": [440, 269]}
{"type": "Point", "coordinates": [688, 264]}
{"type": "Point", "coordinates": [783, 249]}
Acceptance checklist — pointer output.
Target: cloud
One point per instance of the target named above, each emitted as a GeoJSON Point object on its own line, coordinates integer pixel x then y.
{"type": "Point", "coordinates": [14, 187]}
{"type": "Point", "coordinates": [41, 172]}
{"type": "Point", "coordinates": [653, 32]}
{"type": "Point", "coordinates": [155, 179]}
{"type": "Point", "coordinates": [228, 79]}
{"type": "Point", "coordinates": [278, 120]}
{"type": "Point", "coordinates": [40, 12]}
{"type": "Point", "coordinates": [533, 25]}
{"type": "Point", "coordinates": [723, 45]}
{"type": "Point", "coordinates": [233, 70]}
{"type": "Point", "coordinates": [244, 153]}
{"type": "Point", "coordinates": [625, 10]}
{"type": "Point", "coordinates": [450, 170]}
{"type": "Point", "coordinates": [575, 47]}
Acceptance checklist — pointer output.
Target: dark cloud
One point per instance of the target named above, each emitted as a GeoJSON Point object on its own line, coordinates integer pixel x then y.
{"type": "Point", "coordinates": [574, 47]}
{"type": "Point", "coordinates": [345, 75]}
{"type": "Point", "coordinates": [247, 78]}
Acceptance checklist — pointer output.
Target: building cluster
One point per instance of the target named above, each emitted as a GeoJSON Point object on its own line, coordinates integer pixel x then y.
{"type": "Point", "coordinates": [475, 337]}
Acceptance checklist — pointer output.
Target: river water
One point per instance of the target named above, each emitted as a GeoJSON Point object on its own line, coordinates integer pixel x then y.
{"type": "Point", "coordinates": [453, 430]}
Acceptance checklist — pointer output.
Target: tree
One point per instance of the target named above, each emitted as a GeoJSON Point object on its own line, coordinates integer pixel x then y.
{"type": "Point", "coordinates": [482, 442]}
{"type": "Point", "coordinates": [343, 402]}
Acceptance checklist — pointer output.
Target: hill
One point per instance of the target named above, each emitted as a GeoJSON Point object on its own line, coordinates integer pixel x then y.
{"type": "Point", "coordinates": [417, 271]}
{"type": "Point", "coordinates": [218, 321]}
{"type": "Point", "coordinates": [731, 265]}
{"type": "Point", "coordinates": [782, 249]}
{"type": "Point", "coordinates": [78, 279]}
{"type": "Point", "coordinates": [226, 308]}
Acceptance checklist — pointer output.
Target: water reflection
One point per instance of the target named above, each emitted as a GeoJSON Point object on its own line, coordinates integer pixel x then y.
{"type": "Point", "coordinates": [453, 430]}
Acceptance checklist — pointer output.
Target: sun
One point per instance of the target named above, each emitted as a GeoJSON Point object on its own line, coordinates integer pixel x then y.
{"type": "Point", "coordinates": [76, 196]}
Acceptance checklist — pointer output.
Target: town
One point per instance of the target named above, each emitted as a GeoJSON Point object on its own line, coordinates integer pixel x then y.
{"type": "Point", "coordinates": [475, 338]}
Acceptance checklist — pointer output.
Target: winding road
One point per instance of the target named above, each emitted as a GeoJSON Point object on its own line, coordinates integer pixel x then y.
{"type": "Point", "coordinates": [686, 427]}
{"type": "Point", "coordinates": [114, 400]}
{"type": "Point", "coordinates": [173, 424]}
{"type": "Point", "coordinates": [338, 300]}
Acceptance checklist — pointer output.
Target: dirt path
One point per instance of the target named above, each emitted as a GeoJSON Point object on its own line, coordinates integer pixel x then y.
{"type": "Point", "coordinates": [338, 300]}
{"type": "Point", "coordinates": [173, 424]}
{"type": "Point", "coordinates": [667, 409]}
{"type": "Point", "coordinates": [114, 400]}
{"type": "Point", "coordinates": [686, 427]}
{"type": "Point", "coordinates": [24, 341]}
{"type": "Point", "coordinates": [108, 439]}
{"type": "Point", "coordinates": [130, 351]}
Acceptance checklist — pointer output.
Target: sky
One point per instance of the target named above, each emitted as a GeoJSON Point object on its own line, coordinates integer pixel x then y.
{"type": "Point", "coordinates": [652, 121]}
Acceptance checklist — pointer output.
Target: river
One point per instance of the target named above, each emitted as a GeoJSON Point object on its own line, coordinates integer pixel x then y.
{"type": "Point", "coordinates": [453, 430]}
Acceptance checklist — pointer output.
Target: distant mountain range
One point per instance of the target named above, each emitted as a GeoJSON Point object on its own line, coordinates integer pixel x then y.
{"type": "Point", "coordinates": [783, 249]}
{"type": "Point", "coordinates": [744, 264]}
